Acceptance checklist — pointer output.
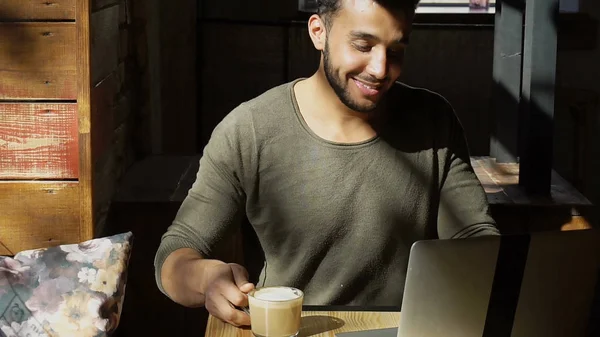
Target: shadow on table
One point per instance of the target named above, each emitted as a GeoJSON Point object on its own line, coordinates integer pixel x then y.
{"type": "Point", "coordinates": [314, 325]}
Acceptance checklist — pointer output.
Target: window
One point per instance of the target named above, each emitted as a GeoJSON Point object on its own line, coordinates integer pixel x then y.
{"type": "Point", "coordinates": [566, 6]}
{"type": "Point", "coordinates": [451, 6]}
{"type": "Point", "coordinates": [431, 6]}
{"type": "Point", "coordinates": [449, 2]}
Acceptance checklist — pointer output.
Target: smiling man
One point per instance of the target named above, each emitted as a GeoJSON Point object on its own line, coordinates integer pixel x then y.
{"type": "Point", "coordinates": [338, 175]}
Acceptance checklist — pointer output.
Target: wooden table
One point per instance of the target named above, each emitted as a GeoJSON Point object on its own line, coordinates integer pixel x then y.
{"type": "Point", "coordinates": [319, 323]}
{"type": "Point", "coordinates": [516, 211]}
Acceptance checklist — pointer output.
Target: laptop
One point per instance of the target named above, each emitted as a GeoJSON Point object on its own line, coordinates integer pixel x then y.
{"type": "Point", "coordinates": [543, 284]}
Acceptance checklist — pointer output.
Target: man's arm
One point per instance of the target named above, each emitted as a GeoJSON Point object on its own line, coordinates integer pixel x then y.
{"type": "Point", "coordinates": [463, 208]}
{"type": "Point", "coordinates": [185, 269]}
{"type": "Point", "coordinates": [193, 281]}
{"type": "Point", "coordinates": [179, 276]}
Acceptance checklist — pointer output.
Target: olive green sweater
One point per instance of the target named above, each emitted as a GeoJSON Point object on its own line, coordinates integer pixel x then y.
{"type": "Point", "coordinates": [335, 220]}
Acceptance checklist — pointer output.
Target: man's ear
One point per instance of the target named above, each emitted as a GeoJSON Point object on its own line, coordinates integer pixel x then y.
{"type": "Point", "coordinates": [317, 31]}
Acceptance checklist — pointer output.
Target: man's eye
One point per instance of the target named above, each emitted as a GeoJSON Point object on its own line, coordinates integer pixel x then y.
{"type": "Point", "coordinates": [362, 47]}
{"type": "Point", "coordinates": [395, 53]}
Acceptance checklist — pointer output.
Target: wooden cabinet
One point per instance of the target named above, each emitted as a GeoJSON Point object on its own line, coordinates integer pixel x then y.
{"type": "Point", "coordinates": [38, 10]}
{"type": "Point", "coordinates": [38, 61]}
{"type": "Point", "coordinates": [39, 214]}
{"type": "Point", "coordinates": [48, 157]}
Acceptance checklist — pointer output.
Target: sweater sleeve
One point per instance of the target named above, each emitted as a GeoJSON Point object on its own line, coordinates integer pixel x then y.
{"type": "Point", "coordinates": [463, 206]}
{"type": "Point", "coordinates": [215, 202]}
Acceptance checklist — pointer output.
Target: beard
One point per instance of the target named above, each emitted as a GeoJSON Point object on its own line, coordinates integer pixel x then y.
{"type": "Point", "coordinates": [340, 87]}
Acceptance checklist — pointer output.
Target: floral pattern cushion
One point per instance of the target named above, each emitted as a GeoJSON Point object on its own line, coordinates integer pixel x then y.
{"type": "Point", "coordinates": [65, 291]}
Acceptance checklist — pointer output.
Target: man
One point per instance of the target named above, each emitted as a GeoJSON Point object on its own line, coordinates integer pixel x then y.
{"type": "Point", "coordinates": [338, 174]}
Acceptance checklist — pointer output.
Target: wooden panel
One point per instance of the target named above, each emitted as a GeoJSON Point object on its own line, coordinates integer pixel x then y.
{"type": "Point", "coordinates": [124, 44]}
{"type": "Point", "coordinates": [104, 29]}
{"type": "Point", "coordinates": [247, 70]}
{"type": "Point", "coordinates": [37, 10]}
{"type": "Point", "coordinates": [37, 60]}
{"type": "Point", "coordinates": [162, 178]}
{"type": "Point", "coordinates": [536, 111]}
{"type": "Point", "coordinates": [318, 323]}
{"type": "Point", "coordinates": [578, 31]}
{"type": "Point", "coordinates": [505, 177]}
{"type": "Point", "coordinates": [102, 115]}
{"type": "Point", "coordinates": [38, 141]}
{"type": "Point", "coordinates": [4, 251]}
{"type": "Point", "coordinates": [515, 211]}
{"type": "Point", "coordinates": [124, 13]}
{"type": "Point", "coordinates": [100, 4]}
{"type": "Point", "coordinates": [109, 170]}
{"type": "Point", "coordinates": [86, 228]}
{"type": "Point", "coordinates": [40, 85]}
{"type": "Point", "coordinates": [495, 193]}
{"type": "Point", "coordinates": [575, 124]}
{"type": "Point", "coordinates": [303, 59]}
{"type": "Point", "coordinates": [508, 51]}
{"type": "Point", "coordinates": [123, 109]}
{"type": "Point", "coordinates": [38, 215]}
{"type": "Point", "coordinates": [464, 66]}
{"type": "Point", "coordinates": [37, 46]}
{"type": "Point", "coordinates": [178, 76]}
{"type": "Point", "coordinates": [251, 10]}
{"type": "Point", "coordinates": [146, 54]}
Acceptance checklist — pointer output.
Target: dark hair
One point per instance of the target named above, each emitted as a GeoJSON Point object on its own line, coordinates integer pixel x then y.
{"type": "Point", "coordinates": [327, 9]}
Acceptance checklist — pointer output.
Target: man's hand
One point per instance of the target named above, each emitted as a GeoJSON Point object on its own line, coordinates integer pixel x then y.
{"type": "Point", "coordinates": [226, 286]}
{"type": "Point", "coordinates": [193, 281]}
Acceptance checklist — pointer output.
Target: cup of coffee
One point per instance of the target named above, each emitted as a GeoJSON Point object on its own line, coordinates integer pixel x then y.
{"type": "Point", "coordinates": [275, 311]}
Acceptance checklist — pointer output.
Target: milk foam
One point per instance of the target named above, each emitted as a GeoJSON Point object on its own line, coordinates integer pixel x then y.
{"type": "Point", "coordinates": [276, 294]}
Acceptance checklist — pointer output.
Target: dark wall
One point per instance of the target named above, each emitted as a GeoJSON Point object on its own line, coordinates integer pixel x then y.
{"type": "Point", "coordinates": [164, 47]}
{"type": "Point", "coordinates": [577, 125]}
{"type": "Point", "coordinates": [457, 63]}
{"type": "Point", "coordinates": [454, 61]}
{"type": "Point", "coordinates": [249, 47]}
{"type": "Point", "coordinates": [177, 45]}
{"type": "Point", "coordinates": [241, 61]}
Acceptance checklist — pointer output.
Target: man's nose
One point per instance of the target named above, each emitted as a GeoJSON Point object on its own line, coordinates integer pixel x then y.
{"type": "Point", "coordinates": [378, 66]}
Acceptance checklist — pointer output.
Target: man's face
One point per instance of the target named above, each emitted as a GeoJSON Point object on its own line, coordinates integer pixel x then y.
{"type": "Point", "coordinates": [364, 52]}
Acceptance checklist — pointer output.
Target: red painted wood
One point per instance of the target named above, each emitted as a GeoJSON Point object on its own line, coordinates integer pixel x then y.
{"type": "Point", "coordinates": [38, 141]}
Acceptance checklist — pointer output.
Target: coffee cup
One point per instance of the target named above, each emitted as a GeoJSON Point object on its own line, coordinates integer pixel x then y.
{"type": "Point", "coordinates": [275, 311]}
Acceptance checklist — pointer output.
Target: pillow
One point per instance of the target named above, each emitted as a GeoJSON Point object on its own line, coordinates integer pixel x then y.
{"type": "Point", "coordinates": [65, 291]}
